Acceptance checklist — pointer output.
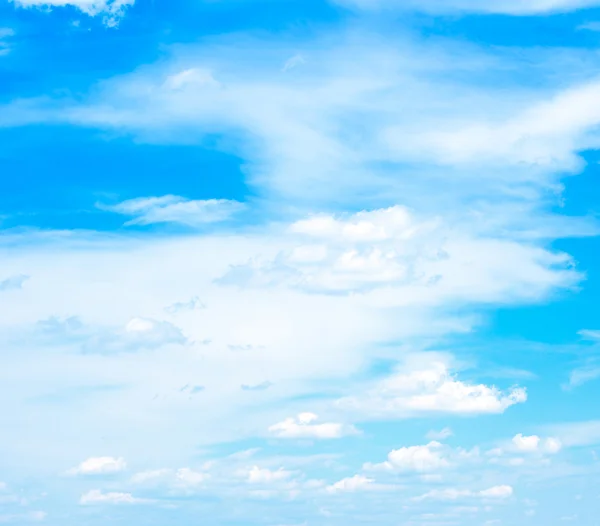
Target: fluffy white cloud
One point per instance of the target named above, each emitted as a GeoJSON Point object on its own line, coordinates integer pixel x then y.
{"type": "Point", "coordinates": [99, 466]}
{"type": "Point", "coordinates": [352, 484]}
{"type": "Point", "coordinates": [430, 388]}
{"type": "Point", "coordinates": [110, 10]}
{"type": "Point", "coordinates": [174, 209]}
{"type": "Point", "coordinates": [421, 459]}
{"type": "Point", "coordinates": [256, 475]}
{"type": "Point", "coordinates": [508, 7]}
{"type": "Point", "coordinates": [534, 443]}
{"type": "Point", "coordinates": [302, 426]}
{"type": "Point", "coordinates": [96, 497]}
{"type": "Point", "coordinates": [493, 493]}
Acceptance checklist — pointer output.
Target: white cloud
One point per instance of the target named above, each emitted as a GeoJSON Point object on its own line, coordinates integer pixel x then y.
{"type": "Point", "coordinates": [352, 484]}
{"type": "Point", "coordinates": [95, 497]}
{"type": "Point", "coordinates": [175, 209]}
{"type": "Point", "coordinates": [429, 387]}
{"type": "Point", "coordinates": [421, 459]}
{"type": "Point", "coordinates": [111, 11]}
{"type": "Point", "coordinates": [256, 475]}
{"type": "Point", "coordinates": [302, 426]}
{"type": "Point", "coordinates": [493, 493]}
{"type": "Point", "coordinates": [508, 7]}
{"type": "Point", "coordinates": [99, 466]}
{"type": "Point", "coordinates": [410, 259]}
{"type": "Point", "coordinates": [534, 443]}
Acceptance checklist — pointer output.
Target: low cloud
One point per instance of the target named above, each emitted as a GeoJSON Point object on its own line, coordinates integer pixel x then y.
{"type": "Point", "coordinates": [303, 426]}
{"type": "Point", "coordinates": [99, 466]}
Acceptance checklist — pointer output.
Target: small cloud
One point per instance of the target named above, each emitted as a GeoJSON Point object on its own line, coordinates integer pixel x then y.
{"type": "Point", "coordinates": [257, 475]}
{"type": "Point", "coordinates": [421, 459]}
{"type": "Point", "coordinates": [351, 484]}
{"type": "Point", "coordinates": [13, 282]}
{"type": "Point", "coordinates": [302, 427]}
{"type": "Point", "coordinates": [174, 209]}
{"type": "Point", "coordinates": [439, 435]}
{"type": "Point", "coordinates": [430, 388]}
{"type": "Point", "coordinates": [194, 77]}
{"type": "Point", "coordinates": [96, 497]}
{"type": "Point", "coordinates": [99, 466]}
{"type": "Point", "coordinates": [259, 387]}
{"type": "Point", "coordinates": [193, 304]}
{"type": "Point", "coordinates": [534, 443]}
{"type": "Point", "coordinates": [355, 484]}
{"type": "Point", "coordinates": [293, 62]}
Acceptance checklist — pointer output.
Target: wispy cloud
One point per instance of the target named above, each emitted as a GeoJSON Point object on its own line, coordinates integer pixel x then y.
{"type": "Point", "coordinates": [174, 209]}
{"type": "Point", "coordinates": [97, 497]}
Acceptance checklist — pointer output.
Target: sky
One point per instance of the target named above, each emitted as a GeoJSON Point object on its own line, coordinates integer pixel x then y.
{"type": "Point", "coordinates": [299, 262]}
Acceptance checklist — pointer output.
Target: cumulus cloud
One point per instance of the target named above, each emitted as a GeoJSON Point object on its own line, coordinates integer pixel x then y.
{"type": "Point", "coordinates": [99, 466]}
{"type": "Point", "coordinates": [352, 484]}
{"type": "Point", "coordinates": [111, 11]}
{"type": "Point", "coordinates": [493, 493]}
{"type": "Point", "coordinates": [534, 443]}
{"type": "Point", "coordinates": [175, 209]}
{"type": "Point", "coordinates": [302, 426]}
{"type": "Point", "coordinates": [430, 388]}
{"type": "Point", "coordinates": [415, 458]}
{"type": "Point", "coordinates": [97, 497]}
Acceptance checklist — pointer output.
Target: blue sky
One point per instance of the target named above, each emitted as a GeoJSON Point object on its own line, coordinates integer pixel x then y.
{"type": "Point", "coordinates": [299, 263]}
